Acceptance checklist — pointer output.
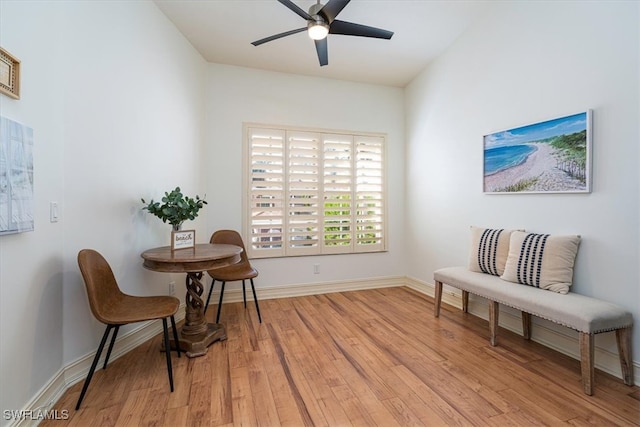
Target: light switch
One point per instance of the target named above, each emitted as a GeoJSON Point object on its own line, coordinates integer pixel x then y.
{"type": "Point", "coordinates": [54, 214]}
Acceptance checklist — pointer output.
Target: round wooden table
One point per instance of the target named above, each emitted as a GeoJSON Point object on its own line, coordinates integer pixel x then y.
{"type": "Point", "coordinates": [196, 334]}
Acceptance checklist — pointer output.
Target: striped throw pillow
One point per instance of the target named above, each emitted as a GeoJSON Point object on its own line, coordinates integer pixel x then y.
{"type": "Point", "coordinates": [541, 260]}
{"type": "Point", "coordinates": [489, 250]}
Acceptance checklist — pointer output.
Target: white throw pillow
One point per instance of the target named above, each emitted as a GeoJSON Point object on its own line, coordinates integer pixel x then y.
{"type": "Point", "coordinates": [489, 250]}
{"type": "Point", "coordinates": [541, 260]}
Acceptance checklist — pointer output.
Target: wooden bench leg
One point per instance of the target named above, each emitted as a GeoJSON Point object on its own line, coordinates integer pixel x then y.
{"type": "Point", "coordinates": [586, 361]}
{"type": "Point", "coordinates": [465, 301]}
{"type": "Point", "coordinates": [438, 299]}
{"type": "Point", "coordinates": [526, 325]}
{"type": "Point", "coordinates": [494, 311]}
{"type": "Point", "coordinates": [623, 338]}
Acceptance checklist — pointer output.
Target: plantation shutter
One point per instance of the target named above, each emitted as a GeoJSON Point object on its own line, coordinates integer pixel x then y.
{"type": "Point", "coordinates": [312, 193]}
{"type": "Point", "coordinates": [370, 210]}
{"type": "Point", "coordinates": [267, 192]}
{"type": "Point", "coordinates": [303, 193]}
{"type": "Point", "coordinates": [338, 194]}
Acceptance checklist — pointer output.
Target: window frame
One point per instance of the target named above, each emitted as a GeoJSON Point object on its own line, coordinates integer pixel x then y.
{"type": "Point", "coordinates": [282, 191]}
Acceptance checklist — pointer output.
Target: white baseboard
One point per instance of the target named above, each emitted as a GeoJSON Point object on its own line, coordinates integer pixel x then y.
{"type": "Point", "coordinates": [548, 335]}
{"type": "Point", "coordinates": [234, 293]}
{"type": "Point", "coordinates": [557, 337]}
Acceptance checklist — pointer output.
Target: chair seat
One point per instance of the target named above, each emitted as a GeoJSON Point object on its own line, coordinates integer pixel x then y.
{"type": "Point", "coordinates": [132, 309]}
{"type": "Point", "coordinates": [231, 273]}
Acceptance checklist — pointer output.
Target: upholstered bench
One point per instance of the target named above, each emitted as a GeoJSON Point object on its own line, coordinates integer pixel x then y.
{"type": "Point", "coordinates": [588, 316]}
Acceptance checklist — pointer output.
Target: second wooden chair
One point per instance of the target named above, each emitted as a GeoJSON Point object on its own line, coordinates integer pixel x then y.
{"type": "Point", "coordinates": [240, 271]}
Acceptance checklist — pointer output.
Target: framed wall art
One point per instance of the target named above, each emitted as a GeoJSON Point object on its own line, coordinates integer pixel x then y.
{"type": "Point", "coordinates": [16, 177]}
{"type": "Point", "coordinates": [553, 156]}
{"type": "Point", "coordinates": [183, 239]}
{"type": "Point", "coordinates": [9, 74]}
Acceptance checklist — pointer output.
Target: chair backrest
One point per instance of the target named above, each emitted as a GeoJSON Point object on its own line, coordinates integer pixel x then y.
{"type": "Point", "coordinates": [102, 288]}
{"type": "Point", "coordinates": [230, 237]}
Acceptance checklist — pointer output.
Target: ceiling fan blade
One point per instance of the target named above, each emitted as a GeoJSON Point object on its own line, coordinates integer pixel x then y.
{"type": "Point", "coordinates": [351, 29]}
{"type": "Point", "coordinates": [333, 8]}
{"type": "Point", "coordinates": [321, 48]}
{"type": "Point", "coordinates": [296, 9]}
{"type": "Point", "coordinates": [278, 36]}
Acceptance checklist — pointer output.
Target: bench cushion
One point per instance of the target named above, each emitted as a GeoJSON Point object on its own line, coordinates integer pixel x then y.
{"type": "Point", "coordinates": [579, 312]}
{"type": "Point", "coordinates": [489, 250]}
{"type": "Point", "coordinates": [541, 260]}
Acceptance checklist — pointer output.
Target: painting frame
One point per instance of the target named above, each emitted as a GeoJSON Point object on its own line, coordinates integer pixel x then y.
{"type": "Point", "coordinates": [549, 156]}
{"type": "Point", "coordinates": [9, 74]}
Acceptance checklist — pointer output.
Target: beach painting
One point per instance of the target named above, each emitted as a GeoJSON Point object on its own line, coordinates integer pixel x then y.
{"type": "Point", "coordinates": [16, 177]}
{"type": "Point", "coordinates": [547, 157]}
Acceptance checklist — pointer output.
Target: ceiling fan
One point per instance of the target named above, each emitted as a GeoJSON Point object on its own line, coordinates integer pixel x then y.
{"type": "Point", "coordinates": [321, 21]}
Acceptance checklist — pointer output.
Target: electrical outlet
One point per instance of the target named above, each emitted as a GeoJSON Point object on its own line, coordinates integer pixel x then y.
{"type": "Point", "coordinates": [172, 288]}
{"type": "Point", "coordinates": [316, 268]}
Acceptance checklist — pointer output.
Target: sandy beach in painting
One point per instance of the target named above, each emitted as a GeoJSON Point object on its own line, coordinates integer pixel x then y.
{"type": "Point", "coordinates": [540, 164]}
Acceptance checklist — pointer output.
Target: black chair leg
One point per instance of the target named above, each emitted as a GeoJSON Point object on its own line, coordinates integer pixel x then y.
{"type": "Point", "coordinates": [93, 365]}
{"type": "Point", "coordinates": [244, 295]}
{"type": "Point", "coordinates": [175, 334]}
{"type": "Point", "coordinates": [255, 298]}
{"type": "Point", "coordinates": [113, 340]}
{"type": "Point", "coordinates": [168, 352]}
{"type": "Point", "coordinates": [220, 303]}
{"type": "Point", "coordinates": [209, 297]}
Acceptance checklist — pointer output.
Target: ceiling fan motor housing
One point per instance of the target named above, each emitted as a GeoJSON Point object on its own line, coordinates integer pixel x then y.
{"type": "Point", "coordinates": [314, 12]}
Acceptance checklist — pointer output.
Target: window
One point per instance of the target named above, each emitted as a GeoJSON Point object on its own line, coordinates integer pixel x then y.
{"type": "Point", "coordinates": [313, 192]}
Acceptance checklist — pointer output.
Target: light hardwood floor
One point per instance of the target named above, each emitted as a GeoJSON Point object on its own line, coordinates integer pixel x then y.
{"type": "Point", "coordinates": [365, 358]}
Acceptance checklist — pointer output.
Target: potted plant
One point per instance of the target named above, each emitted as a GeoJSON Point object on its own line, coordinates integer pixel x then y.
{"type": "Point", "coordinates": [175, 208]}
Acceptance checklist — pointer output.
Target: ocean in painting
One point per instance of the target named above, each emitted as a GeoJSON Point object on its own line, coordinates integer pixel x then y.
{"type": "Point", "coordinates": [500, 158]}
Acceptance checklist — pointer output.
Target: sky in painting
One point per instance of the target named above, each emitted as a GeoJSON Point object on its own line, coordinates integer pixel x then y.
{"type": "Point", "coordinates": [537, 131]}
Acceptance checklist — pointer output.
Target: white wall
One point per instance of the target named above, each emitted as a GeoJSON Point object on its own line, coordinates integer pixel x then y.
{"type": "Point", "coordinates": [114, 94]}
{"type": "Point", "coordinates": [528, 62]}
{"type": "Point", "coordinates": [31, 264]}
{"type": "Point", "coordinates": [236, 95]}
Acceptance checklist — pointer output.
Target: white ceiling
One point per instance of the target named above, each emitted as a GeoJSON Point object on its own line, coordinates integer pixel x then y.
{"type": "Point", "coordinates": [222, 31]}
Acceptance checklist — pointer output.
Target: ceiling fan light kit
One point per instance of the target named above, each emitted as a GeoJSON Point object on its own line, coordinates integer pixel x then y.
{"type": "Point", "coordinates": [317, 30]}
{"type": "Point", "coordinates": [321, 21]}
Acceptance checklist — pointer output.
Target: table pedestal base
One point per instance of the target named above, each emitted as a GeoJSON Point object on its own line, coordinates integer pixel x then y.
{"type": "Point", "coordinates": [196, 334]}
{"type": "Point", "coordinates": [197, 345]}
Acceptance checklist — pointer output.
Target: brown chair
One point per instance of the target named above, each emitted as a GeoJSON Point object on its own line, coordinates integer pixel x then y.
{"type": "Point", "coordinates": [114, 308]}
{"type": "Point", "coordinates": [240, 271]}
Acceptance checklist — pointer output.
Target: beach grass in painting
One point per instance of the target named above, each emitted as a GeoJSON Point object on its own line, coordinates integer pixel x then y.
{"type": "Point", "coordinates": [551, 156]}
